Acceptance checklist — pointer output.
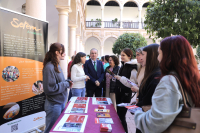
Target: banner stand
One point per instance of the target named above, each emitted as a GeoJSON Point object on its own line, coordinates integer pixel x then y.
{"type": "Point", "coordinates": [23, 46]}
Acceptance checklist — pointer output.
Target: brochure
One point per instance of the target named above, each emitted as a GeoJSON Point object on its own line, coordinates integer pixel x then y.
{"type": "Point", "coordinates": [77, 108]}
{"type": "Point", "coordinates": [104, 115]}
{"type": "Point", "coordinates": [104, 120]}
{"type": "Point", "coordinates": [102, 110]}
{"type": "Point", "coordinates": [80, 100]}
{"type": "Point", "coordinates": [124, 104]}
{"type": "Point", "coordinates": [71, 123]}
{"type": "Point", "coordinates": [105, 128]}
{"type": "Point", "coordinates": [101, 100]}
{"type": "Point", "coordinates": [133, 108]}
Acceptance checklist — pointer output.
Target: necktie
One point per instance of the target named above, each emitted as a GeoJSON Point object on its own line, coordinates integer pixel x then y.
{"type": "Point", "coordinates": [95, 67]}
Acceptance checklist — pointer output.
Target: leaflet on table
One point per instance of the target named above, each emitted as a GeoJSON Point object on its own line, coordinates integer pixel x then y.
{"type": "Point", "coordinates": [101, 100]}
{"type": "Point", "coordinates": [72, 123]}
{"type": "Point", "coordinates": [76, 108]}
{"type": "Point", "coordinates": [80, 100]}
{"type": "Point", "coordinates": [104, 120]}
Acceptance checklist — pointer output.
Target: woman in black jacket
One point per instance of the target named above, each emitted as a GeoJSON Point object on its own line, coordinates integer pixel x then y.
{"type": "Point", "coordinates": [128, 71]}
{"type": "Point", "coordinates": [110, 81]}
{"type": "Point", "coordinates": [151, 74]}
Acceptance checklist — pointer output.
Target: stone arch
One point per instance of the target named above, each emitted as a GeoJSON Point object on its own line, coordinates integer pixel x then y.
{"type": "Point", "coordinates": [135, 1]}
{"type": "Point", "coordinates": [111, 36]}
{"type": "Point", "coordinates": [92, 36]}
{"type": "Point", "coordinates": [92, 42]}
{"type": "Point", "coordinates": [86, 1]}
{"type": "Point", "coordinates": [145, 2]}
{"type": "Point", "coordinates": [108, 45]}
{"type": "Point", "coordinates": [120, 4]}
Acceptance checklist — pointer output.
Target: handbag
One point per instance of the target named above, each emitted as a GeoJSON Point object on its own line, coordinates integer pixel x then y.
{"type": "Point", "coordinates": [188, 120]}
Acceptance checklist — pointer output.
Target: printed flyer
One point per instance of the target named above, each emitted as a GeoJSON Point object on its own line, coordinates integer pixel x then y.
{"type": "Point", "coordinates": [23, 46]}
{"type": "Point", "coordinates": [72, 123]}
{"type": "Point", "coordinates": [76, 108]}
{"type": "Point", "coordinates": [101, 100]}
{"type": "Point", "coordinates": [80, 100]}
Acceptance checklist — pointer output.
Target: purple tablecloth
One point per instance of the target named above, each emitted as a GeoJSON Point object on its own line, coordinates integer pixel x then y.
{"type": "Point", "coordinates": [91, 127]}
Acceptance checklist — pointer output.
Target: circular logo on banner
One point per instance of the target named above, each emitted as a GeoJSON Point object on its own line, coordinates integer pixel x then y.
{"type": "Point", "coordinates": [10, 73]}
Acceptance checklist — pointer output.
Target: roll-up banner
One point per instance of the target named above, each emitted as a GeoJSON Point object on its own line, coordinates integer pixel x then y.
{"type": "Point", "coordinates": [23, 44]}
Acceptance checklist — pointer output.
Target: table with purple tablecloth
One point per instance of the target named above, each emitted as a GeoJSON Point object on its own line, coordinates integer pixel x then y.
{"type": "Point", "coordinates": [91, 127]}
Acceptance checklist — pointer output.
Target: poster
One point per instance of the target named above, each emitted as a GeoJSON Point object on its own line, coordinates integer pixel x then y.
{"type": "Point", "coordinates": [81, 100]}
{"type": "Point", "coordinates": [22, 50]}
{"type": "Point", "coordinates": [71, 123]}
{"type": "Point", "coordinates": [78, 105]}
{"type": "Point", "coordinates": [101, 100]}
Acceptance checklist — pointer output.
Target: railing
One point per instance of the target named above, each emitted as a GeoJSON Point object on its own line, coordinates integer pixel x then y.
{"type": "Point", "coordinates": [110, 24]}
{"type": "Point", "coordinates": [131, 25]}
{"type": "Point", "coordinates": [93, 24]}
{"type": "Point", "coordinates": [143, 25]}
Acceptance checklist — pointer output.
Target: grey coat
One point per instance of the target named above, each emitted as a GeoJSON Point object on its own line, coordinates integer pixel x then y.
{"type": "Point", "coordinates": [54, 84]}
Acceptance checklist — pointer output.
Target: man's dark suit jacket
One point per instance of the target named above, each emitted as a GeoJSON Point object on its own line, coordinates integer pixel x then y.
{"type": "Point", "coordinates": [93, 74]}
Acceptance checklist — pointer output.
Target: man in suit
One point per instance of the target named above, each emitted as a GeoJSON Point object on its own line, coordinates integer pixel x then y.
{"type": "Point", "coordinates": [94, 69]}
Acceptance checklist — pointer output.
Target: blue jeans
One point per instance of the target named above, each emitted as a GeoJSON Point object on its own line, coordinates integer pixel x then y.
{"type": "Point", "coordinates": [78, 92]}
{"type": "Point", "coordinates": [53, 111]}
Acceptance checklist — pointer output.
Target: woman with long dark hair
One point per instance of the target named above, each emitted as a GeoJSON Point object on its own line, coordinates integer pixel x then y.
{"type": "Point", "coordinates": [152, 70]}
{"type": "Point", "coordinates": [54, 84]}
{"type": "Point", "coordinates": [150, 80]}
{"type": "Point", "coordinates": [128, 71]}
{"type": "Point", "coordinates": [78, 75]}
{"type": "Point", "coordinates": [176, 58]}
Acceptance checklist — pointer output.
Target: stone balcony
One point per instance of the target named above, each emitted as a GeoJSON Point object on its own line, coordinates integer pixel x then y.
{"type": "Point", "coordinates": [113, 24]}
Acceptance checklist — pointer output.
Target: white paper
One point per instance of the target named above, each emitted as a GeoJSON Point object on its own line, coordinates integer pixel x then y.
{"type": "Point", "coordinates": [81, 125]}
{"type": "Point", "coordinates": [123, 104]}
{"type": "Point", "coordinates": [103, 101]}
{"type": "Point", "coordinates": [133, 84]}
{"type": "Point", "coordinates": [77, 101]}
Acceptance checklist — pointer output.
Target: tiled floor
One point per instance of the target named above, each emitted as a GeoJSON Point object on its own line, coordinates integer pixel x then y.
{"type": "Point", "coordinates": [130, 120]}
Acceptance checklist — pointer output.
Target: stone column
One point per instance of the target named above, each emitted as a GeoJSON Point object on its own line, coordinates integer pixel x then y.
{"type": "Point", "coordinates": [102, 50]}
{"type": "Point", "coordinates": [102, 17]}
{"type": "Point", "coordinates": [81, 46]}
{"type": "Point", "coordinates": [77, 43]}
{"type": "Point", "coordinates": [140, 23]}
{"type": "Point", "coordinates": [36, 9]}
{"type": "Point", "coordinates": [121, 16]}
{"type": "Point", "coordinates": [63, 33]}
{"type": "Point", "coordinates": [72, 40]}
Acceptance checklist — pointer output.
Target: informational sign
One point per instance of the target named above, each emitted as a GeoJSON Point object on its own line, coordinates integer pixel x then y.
{"type": "Point", "coordinates": [101, 100]}
{"type": "Point", "coordinates": [23, 46]}
{"type": "Point", "coordinates": [71, 123]}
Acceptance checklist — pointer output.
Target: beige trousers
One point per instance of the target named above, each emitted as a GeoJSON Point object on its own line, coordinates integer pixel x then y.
{"type": "Point", "coordinates": [112, 97]}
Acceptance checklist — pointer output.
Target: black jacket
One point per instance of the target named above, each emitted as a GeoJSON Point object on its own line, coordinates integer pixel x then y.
{"type": "Point", "coordinates": [125, 71]}
{"type": "Point", "coordinates": [112, 83]}
{"type": "Point", "coordinates": [146, 93]}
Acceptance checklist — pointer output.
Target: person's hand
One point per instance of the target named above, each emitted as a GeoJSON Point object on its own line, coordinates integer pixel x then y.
{"type": "Point", "coordinates": [134, 89]}
{"type": "Point", "coordinates": [40, 86]}
{"type": "Point", "coordinates": [87, 78]}
{"type": "Point", "coordinates": [134, 102]}
{"type": "Point", "coordinates": [34, 89]}
{"type": "Point", "coordinates": [70, 84]}
{"type": "Point", "coordinates": [118, 77]}
{"type": "Point", "coordinates": [97, 83]}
